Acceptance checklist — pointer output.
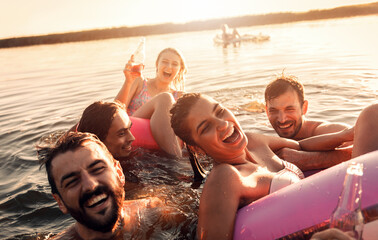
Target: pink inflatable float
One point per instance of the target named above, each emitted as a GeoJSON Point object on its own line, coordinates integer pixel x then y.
{"type": "Point", "coordinates": [307, 203]}
{"type": "Point", "coordinates": [142, 133]}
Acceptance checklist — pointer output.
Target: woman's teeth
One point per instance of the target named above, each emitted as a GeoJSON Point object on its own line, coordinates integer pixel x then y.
{"type": "Point", "coordinates": [231, 136]}
{"type": "Point", "coordinates": [167, 74]}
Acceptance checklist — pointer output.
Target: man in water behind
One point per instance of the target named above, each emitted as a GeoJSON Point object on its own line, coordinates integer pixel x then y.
{"type": "Point", "coordinates": [286, 107]}
{"type": "Point", "coordinates": [87, 182]}
{"type": "Point", "coordinates": [228, 37]}
{"type": "Point", "coordinates": [110, 122]}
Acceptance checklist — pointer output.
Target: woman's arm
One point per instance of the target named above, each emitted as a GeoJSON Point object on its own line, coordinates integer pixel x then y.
{"type": "Point", "coordinates": [328, 141]}
{"type": "Point", "coordinates": [127, 92]}
{"type": "Point", "coordinates": [224, 192]}
{"type": "Point", "coordinates": [323, 142]}
{"type": "Point", "coordinates": [130, 85]}
{"type": "Point", "coordinates": [219, 203]}
{"type": "Point", "coordinates": [274, 143]}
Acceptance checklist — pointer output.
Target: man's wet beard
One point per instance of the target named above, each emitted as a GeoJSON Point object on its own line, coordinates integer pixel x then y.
{"type": "Point", "coordinates": [102, 224]}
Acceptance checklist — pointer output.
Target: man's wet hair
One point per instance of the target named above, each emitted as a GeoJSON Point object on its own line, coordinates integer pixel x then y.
{"type": "Point", "coordinates": [50, 146]}
{"type": "Point", "coordinates": [281, 85]}
{"type": "Point", "coordinates": [98, 117]}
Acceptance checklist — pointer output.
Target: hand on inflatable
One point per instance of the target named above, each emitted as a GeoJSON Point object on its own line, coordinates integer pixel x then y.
{"type": "Point", "coordinates": [331, 234]}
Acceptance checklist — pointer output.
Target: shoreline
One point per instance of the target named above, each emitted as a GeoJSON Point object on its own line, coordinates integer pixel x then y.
{"type": "Point", "coordinates": [202, 25]}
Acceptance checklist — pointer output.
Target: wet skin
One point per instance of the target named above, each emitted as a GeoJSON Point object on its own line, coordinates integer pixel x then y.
{"type": "Point", "coordinates": [90, 186]}
{"type": "Point", "coordinates": [285, 114]}
{"type": "Point", "coordinates": [217, 132]}
{"type": "Point", "coordinates": [168, 67]}
{"type": "Point", "coordinates": [119, 138]}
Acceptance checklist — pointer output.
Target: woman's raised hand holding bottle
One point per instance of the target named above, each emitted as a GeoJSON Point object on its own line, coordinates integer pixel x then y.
{"type": "Point", "coordinates": [135, 65]}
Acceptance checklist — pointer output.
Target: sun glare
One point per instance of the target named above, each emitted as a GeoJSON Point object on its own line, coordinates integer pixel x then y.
{"type": "Point", "coordinates": [44, 16]}
{"type": "Point", "coordinates": [199, 9]}
{"type": "Point", "coordinates": [209, 9]}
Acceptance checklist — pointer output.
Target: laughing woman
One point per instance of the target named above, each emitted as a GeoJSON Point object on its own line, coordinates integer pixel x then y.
{"type": "Point", "coordinates": [152, 98]}
{"type": "Point", "coordinates": [245, 166]}
{"type": "Point", "coordinates": [170, 77]}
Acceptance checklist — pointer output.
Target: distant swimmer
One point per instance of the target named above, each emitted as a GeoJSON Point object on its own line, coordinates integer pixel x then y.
{"type": "Point", "coordinates": [228, 37]}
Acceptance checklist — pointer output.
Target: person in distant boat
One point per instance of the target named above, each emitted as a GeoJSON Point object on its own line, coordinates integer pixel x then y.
{"type": "Point", "coordinates": [229, 37]}
{"type": "Point", "coordinates": [88, 183]}
{"type": "Point", "coordinates": [245, 166]}
{"type": "Point", "coordinates": [286, 107]}
{"type": "Point", "coordinates": [136, 90]}
{"type": "Point", "coordinates": [111, 124]}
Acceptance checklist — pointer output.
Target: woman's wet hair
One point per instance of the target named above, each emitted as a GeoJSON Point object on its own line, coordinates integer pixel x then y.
{"type": "Point", "coordinates": [179, 113]}
{"type": "Point", "coordinates": [98, 117]}
{"type": "Point", "coordinates": [179, 82]}
{"type": "Point", "coordinates": [281, 85]}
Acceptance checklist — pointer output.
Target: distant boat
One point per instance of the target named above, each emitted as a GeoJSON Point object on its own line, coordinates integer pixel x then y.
{"type": "Point", "coordinates": [244, 38]}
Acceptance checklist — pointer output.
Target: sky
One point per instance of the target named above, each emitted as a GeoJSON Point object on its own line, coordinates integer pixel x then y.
{"type": "Point", "coordinates": [38, 17]}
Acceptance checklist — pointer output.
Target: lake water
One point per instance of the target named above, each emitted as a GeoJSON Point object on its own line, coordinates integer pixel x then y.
{"type": "Point", "coordinates": [45, 88]}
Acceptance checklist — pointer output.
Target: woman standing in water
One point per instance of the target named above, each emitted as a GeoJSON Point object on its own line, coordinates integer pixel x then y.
{"type": "Point", "coordinates": [245, 166]}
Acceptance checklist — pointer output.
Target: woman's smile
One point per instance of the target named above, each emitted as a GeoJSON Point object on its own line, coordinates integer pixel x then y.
{"type": "Point", "coordinates": [231, 136]}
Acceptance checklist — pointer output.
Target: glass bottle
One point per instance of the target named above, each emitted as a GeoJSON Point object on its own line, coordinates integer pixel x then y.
{"type": "Point", "coordinates": [348, 215]}
{"type": "Point", "coordinates": [139, 55]}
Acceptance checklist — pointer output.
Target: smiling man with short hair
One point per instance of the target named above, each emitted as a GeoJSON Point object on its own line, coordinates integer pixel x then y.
{"type": "Point", "coordinates": [286, 107]}
{"type": "Point", "coordinates": [88, 183]}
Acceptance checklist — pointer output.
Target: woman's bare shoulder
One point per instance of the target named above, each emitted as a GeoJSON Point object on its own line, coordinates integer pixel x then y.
{"type": "Point", "coordinates": [223, 174]}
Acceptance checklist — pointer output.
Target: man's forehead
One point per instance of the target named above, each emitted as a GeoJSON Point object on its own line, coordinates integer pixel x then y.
{"type": "Point", "coordinates": [120, 118]}
{"type": "Point", "coordinates": [284, 98]}
{"type": "Point", "coordinates": [87, 152]}
{"type": "Point", "coordinates": [93, 148]}
{"type": "Point", "coordinates": [124, 115]}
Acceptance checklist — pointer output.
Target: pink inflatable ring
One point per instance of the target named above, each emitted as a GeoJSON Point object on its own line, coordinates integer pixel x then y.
{"type": "Point", "coordinates": [307, 203]}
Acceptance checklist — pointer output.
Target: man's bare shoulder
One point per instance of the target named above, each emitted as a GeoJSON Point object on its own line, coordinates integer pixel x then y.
{"type": "Point", "coordinates": [328, 127]}
{"type": "Point", "coordinates": [313, 128]}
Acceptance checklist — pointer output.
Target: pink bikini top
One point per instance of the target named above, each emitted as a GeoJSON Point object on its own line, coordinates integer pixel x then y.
{"type": "Point", "coordinates": [142, 98]}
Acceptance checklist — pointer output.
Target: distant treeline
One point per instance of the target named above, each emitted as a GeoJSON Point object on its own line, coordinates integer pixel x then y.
{"type": "Point", "coordinates": [243, 21]}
